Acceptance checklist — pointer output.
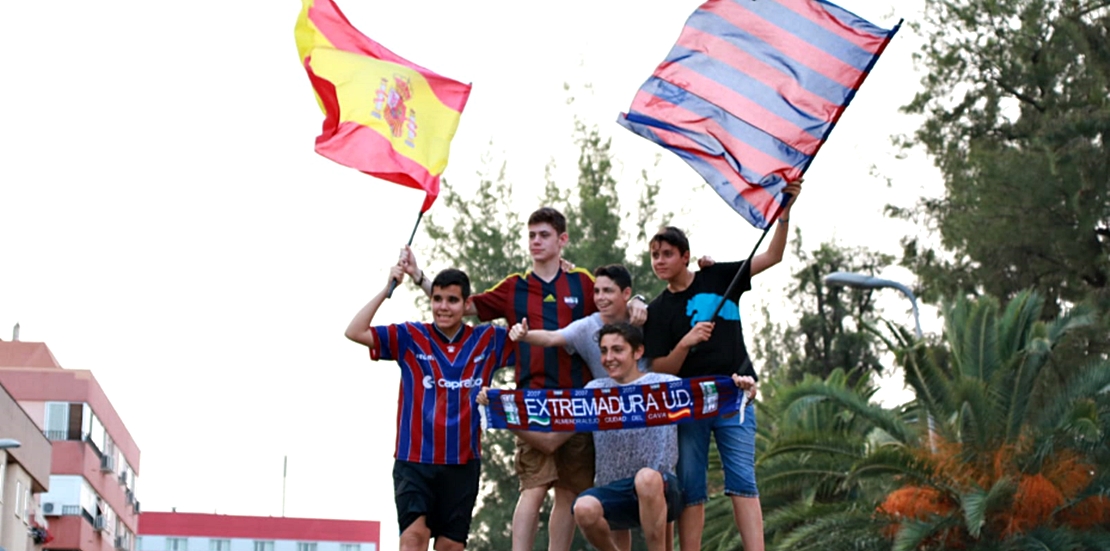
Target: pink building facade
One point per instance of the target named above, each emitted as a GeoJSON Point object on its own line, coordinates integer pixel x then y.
{"type": "Point", "coordinates": [91, 504]}
{"type": "Point", "coordinates": [202, 532]}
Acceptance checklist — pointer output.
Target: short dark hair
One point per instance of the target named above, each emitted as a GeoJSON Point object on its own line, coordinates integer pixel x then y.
{"type": "Point", "coordinates": [450, 277]}
{"type": "Point", "coordinates": [672, 236]}
{"type": "Point", "coordinates": [630, 333]}
{"type": "Point", "coordinates": [548, 215]}
{"type": "Point", "coordinates": [616, 272]}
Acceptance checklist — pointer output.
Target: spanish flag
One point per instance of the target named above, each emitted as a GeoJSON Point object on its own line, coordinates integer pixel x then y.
{"type": "Point", "coordinates": [384, 115]}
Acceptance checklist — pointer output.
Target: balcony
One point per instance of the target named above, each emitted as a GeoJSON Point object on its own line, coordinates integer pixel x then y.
{"type": "Point", "coordinates": [59, 435]}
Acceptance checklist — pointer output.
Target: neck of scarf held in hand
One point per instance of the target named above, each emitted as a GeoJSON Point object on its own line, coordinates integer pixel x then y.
{"type": "Point", "coordinates": [621, 407]}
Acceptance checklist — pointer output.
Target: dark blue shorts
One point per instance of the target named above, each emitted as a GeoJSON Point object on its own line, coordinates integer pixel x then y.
{"type": "Point", "coordinates": [622, 507]}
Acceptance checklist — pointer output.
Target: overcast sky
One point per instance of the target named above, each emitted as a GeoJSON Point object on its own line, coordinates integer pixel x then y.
{"type": "Point", "coordinates": [167, 225]}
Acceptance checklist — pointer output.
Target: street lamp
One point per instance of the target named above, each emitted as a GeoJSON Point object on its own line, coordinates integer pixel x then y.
{"type": "Point", "coordinates": [861, 281]}
{"type": "Point", "coordinates": [6, 443]}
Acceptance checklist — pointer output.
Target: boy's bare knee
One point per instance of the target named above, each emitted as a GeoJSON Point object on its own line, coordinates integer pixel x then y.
{"type": "Point", "coordinates": [587, 511]}
{"type": "Point", "coordinates": [648, 481]}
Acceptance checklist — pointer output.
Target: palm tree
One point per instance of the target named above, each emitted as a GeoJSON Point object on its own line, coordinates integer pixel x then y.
{"type": "Point", "coordinates": [1018, 457]}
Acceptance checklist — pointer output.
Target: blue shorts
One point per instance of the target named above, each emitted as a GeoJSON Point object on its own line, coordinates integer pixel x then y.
{"type": "Point", "coordinates": [621, 505]}
{"type": "Point", "coordinates": [736, 444]}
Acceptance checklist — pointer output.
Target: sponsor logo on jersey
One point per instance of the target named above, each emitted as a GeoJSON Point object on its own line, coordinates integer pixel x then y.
{"type": "Point", "coordinates": [430, 383]}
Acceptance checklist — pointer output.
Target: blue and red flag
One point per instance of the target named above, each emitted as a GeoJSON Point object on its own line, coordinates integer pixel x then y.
{"type": "Point", "coordinates": [751, 91]}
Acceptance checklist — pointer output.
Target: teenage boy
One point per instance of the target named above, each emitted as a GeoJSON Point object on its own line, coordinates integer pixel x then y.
{"type": "Point", "coordinates": [682, 339]}
{"type": "Point", "coordinates": [549, 297]}
{"type": "Point", "coordinates": [612, 292]}
{"type": "Point", "coordinates": [635, 483]}
{"type": "Point", "coordinates": [443, 366]}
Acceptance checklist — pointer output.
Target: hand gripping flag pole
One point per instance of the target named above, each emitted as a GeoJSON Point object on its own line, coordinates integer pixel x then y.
{"type": "Point", "coordinates": [394, 283]}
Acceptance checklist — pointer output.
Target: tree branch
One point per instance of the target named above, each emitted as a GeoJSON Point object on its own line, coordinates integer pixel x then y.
{"type": "Point", "coordinates": [1023, 97]}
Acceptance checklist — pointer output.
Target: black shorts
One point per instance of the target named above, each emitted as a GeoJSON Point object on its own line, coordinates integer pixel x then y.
{"type": "Point", "coordinates": [443, 494]}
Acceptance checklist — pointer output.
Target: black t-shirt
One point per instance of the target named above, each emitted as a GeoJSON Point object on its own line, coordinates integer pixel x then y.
{"type": "Point", "coordinates": [672, 315]}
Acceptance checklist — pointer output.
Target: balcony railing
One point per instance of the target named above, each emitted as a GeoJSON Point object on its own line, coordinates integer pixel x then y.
{"type": "Point", "coordinates": [58, 435]}
{"type": "Point", "coordinates": [71, 510]}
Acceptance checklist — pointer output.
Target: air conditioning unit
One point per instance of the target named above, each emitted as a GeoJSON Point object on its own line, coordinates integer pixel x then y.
{"type": "Point", "coordinates": [123, 478]}
{"type": "Point", "coordinates": [107, 463]}
{"type": "Point", "coordinates": [51, 508]}
{"type": "Point", "coordinates": [98, 523]}
{"type": "Point", "coordinates": [120, 544]}
{"type": "Point", "coordinates": [137, 511]}
{"type": "Point", "coordinates": [130, 497]}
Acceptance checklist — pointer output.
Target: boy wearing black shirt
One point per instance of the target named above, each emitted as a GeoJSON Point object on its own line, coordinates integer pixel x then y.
{"type": "Point", "coordinates": [682, 339]}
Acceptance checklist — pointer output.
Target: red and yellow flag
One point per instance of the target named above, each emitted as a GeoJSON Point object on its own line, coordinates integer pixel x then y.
{"type": "Point", "coordinates": [384, 115]}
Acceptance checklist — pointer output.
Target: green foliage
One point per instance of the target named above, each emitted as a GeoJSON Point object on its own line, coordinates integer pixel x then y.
{"type": "Point", "coordinates": [1015, 447]}
{"type": "Point", "coordinates": [831, 330]}
{"type": "Point", "coordinates": [1017, 118]}
{"type": "Point", "coordinates": [596, 216]}
{"type": "Point", "coordinates": [485, 236]}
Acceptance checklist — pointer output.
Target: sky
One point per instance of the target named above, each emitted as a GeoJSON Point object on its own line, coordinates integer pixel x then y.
{"type": "Point", "coordinates": [166, 224]}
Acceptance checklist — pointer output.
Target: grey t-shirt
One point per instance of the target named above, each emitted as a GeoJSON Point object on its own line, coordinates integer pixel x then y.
{"type": "Point", "coordinates": [581, 337]}
{"type": "Point", "coordinates": [622, 453]}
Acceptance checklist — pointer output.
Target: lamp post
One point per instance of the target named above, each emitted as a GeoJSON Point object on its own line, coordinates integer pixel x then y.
{"type": "Point", "coordinates": [6, 443]}
{"type": "Point", "coordinates": [861, 281]}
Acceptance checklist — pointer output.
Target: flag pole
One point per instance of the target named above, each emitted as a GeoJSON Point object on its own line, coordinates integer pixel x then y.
{"type": "Point", "coordinates": [736, 278]}
{"type": "Point", "coordinates": [393, 284]}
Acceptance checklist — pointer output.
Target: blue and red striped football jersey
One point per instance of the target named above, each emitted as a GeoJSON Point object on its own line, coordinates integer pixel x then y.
{"type": "Point", "coordinates": [437, 417]}
{"type": "Point", "coordinates": [547, 305]}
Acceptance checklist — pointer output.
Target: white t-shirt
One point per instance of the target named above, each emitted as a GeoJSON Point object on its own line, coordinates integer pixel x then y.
{"type": "Point", "coordinates": [622, 453]}
{"type": "Point", "coordinates": [581, 337]}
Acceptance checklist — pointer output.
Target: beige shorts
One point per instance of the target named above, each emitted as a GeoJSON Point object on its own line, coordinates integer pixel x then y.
{"type": "Point", "coordinates": [570, 467]}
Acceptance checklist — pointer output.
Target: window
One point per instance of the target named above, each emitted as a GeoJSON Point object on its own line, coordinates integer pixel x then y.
{"type": "Point", "coordinates": [305, 546]}
{"type": "Point", "coordinates": [263, 546]}
{"type": "Point", "coordinates": [348, 547]}
{"type": "Point", "coordinates": [138, 543]}
{"type": "Point", "coordinates": [28, 507]}
{"type": "Point", "coordinates": [177, 544]}
{"type": "Point", "coordinates": [19, 500]}
{"type": "Point", "coordinates": [57, 420]}
{"type": "Point", "coordinates": [219, 545]}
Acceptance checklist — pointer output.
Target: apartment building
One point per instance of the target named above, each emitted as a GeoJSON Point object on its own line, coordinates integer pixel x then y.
{"type": "Point", "coordinates": [203, 532]}
{"type": "Point", "coordinates": [24, 475]}
{"type": "Point", "coordinates": [91, 504]}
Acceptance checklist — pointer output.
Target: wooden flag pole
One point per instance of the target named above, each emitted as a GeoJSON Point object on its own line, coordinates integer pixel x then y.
{"type": "Point", "coordinates": [393, 284]}
{"type": "Point", "coordinates": [736, 279]}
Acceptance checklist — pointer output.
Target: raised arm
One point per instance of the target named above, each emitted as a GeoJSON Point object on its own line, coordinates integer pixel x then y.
{"type": "Point", "coordinates": [359, 329]}
{"type": "Point", "coordinates": [408, 261]}
{"type": "Point", "coordinates": [777, 247]}
{"type": "Point", "coordinates": [546, 339]}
